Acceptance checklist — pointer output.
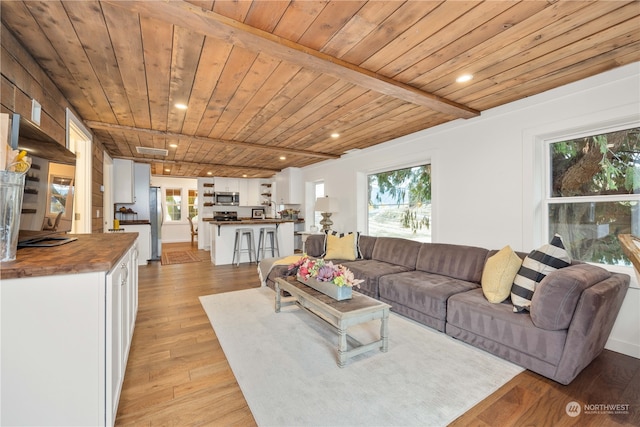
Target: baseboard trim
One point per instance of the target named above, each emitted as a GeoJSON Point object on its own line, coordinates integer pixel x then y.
{"type": "Point", "coordinates": [630, 349]}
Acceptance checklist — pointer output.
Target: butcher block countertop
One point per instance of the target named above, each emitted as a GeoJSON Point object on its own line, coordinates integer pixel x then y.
{"type": "Point", "coordinates": [250, 221]}
{"type": "Point", "coordinates": [90, 253]}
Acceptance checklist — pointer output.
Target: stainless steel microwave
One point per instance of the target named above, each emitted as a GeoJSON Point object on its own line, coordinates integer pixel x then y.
{"type": "Point", "coordinates": [227, 199]}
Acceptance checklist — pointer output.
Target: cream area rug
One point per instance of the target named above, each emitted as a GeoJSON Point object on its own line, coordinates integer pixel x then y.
{"type": "Point", "coordinates": [286, 366]}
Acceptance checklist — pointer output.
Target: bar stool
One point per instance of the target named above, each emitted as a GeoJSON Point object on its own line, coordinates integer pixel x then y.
{"type": "Point", "coordinates": [237, 244]}
{"type": "Point", "coordinates": [265, 232]}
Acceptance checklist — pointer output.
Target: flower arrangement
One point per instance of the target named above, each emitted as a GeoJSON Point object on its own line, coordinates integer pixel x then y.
{"type": "Point", "coordinates": [323, 271]}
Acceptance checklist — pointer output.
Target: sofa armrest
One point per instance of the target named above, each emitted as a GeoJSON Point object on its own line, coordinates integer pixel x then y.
{"type": "Point", "coordinates": [591, 325]}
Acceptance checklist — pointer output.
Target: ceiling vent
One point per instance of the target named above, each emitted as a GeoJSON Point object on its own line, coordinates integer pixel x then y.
{"type": "Point", "coordinates": [152, 151]}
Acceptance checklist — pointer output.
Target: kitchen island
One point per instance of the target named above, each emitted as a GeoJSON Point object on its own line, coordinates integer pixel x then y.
{"type": "Point", "coordinates": [67, 313]}
{"type": "Point", "coordinates": [223, 237]}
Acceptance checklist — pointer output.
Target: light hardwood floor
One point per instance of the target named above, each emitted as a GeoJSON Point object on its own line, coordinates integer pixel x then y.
{"type": "Point", "coordinates": [177, 374]}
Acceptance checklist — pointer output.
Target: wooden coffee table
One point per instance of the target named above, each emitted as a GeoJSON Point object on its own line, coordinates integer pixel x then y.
{"type": "Point", "coordinates": [340, 314]}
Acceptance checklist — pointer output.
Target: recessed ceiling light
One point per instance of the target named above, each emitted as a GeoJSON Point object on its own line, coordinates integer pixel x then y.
{"type": "Point", "coordinates": [167, 170]}
{"type": "Point", "coordinates": [181, 106]}
{"type": "Point", "coordinates": [464, 78]}
{"type": "Point", "coordinates": [335, 135]}
{"type": "Point", "coordinates": [283, 158]}
{"type": "Point", "coordinates": [173, 145]}
{"type": "Point", "coordinates": [209, 173]}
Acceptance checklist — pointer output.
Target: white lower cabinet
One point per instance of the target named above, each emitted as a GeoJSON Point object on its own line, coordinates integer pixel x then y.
{"type": "Point", "coordinates": [65, 344]}
{"type": "Point", "coordinates": [144, 240]}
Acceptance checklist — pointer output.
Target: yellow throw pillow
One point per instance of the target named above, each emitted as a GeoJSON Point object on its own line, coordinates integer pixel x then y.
{"type": "Point", "coordinates": [341, 247]}
{"type": "Point", "coordinates": [498, 274]}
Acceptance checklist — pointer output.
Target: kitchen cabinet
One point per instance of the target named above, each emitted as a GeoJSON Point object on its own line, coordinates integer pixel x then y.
{"type": "Point", "coordinates": [123, 172]}
{"type": "Point", "coordinates": [227, 185]}
{"type": "Point", "coordinates": [131, 185]}
{"type": "Point", "coordinates": [289, 186]}
{"type": "Point", "coordinates": [141, 184]}
{"type": "Point", "coordinates": [144, 240]}
{"type": "Point", "coordinates": [66, 337]}
{"type": "Point", "coordinates": [249, 192]}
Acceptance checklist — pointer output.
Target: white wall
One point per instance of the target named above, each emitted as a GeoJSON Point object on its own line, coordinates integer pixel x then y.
{"type": "Point", "coordinates": [177, 231]}
{"type": "Point", "coordinates": [486, 174]}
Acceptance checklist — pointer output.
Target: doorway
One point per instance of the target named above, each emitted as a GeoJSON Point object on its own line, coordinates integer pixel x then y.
{"type": "Point", "coordinates": [79, 141]}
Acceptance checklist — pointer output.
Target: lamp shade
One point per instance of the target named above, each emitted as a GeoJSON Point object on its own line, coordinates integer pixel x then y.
{"type": "Point", "coordinates": [327, 204]}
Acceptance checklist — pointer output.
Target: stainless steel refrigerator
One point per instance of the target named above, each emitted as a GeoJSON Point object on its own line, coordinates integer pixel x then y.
{"type": "Point", "coordinates": [155, 211]}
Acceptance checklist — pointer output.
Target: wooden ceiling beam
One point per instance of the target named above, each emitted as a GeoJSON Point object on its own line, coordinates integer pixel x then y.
{"type": "Point", "coordinates": [226, 143]}
{"type": "Point", "coordinates": [208, 23]}
{"type": "Point", "coordinates": [201, 165]}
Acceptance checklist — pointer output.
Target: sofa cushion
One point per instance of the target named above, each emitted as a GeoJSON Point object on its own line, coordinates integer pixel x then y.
{"type": "Point", "coordinates": [496, 325]}
{"type": "Point", "coordinates": [557, 295]}
{"type": "Point", "coordinates": [365, 246]}
{"type": "Point", "coordinates": [314, 245]}
{"type": "Point", "coordinates": [457, 261]}
{"type": "Point", "coordinates": [394, 250]}
{"type": "Point", "coordinates": [498, 274]}
{"type": "Point", "coordinates": [421, 291]}
{"type": "Point", "coordinates": [535, 267]}
{"type": "Point", "coordinates": [370, 271]}
{"type": "Point", "coordinates": [341, 246]}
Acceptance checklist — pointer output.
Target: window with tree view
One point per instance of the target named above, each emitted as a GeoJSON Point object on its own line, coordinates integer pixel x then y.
{"type": "Point", "coordinates": [594, 194]}
{"type": "Point", "coordinates": [400, 203]}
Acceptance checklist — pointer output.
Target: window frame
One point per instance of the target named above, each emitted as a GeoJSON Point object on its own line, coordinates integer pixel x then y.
{"type": "Point", "coordinates": [547, 198]}
{"type": "Point", "coordinates": [168, 218]}
{"type": "Point", "coordinates": [427, 161]}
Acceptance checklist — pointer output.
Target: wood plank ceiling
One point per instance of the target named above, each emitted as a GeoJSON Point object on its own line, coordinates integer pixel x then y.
{"type": "Point", "coordinates": [269, 79]}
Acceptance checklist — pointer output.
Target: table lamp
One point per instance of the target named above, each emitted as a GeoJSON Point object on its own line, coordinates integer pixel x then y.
{"type": "Point", "coordinates": [326, 206]}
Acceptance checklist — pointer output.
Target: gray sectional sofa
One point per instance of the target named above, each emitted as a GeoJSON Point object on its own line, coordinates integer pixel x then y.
{"type": "Point", "coordinates": [438, 285]}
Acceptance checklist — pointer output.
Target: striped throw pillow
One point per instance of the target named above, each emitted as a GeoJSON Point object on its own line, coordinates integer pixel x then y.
{"type": "Point", "coordinates": [535, 267]}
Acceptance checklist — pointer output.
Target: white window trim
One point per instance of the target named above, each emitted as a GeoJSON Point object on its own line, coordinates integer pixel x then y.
{"type": "Point", "coordinates": [182, 219]}
{"type": "Point", "coordinates": [536, 173]}
{"type": "Point", "coordinates": [429, 160]}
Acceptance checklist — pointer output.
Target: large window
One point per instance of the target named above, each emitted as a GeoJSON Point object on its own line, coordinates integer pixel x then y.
{"type": "Point", "coordinates": [400, 203]}
{"type": "Point", "coordinates": [173, 201]}
{"type": "Point", "coordinates": [594, 193]}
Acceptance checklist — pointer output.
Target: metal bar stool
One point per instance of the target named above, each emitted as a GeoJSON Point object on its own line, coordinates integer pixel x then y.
{"type": "Point", "coordinates": [237, 245]}
{"type": "Point", "coordinates": [272, 233]}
